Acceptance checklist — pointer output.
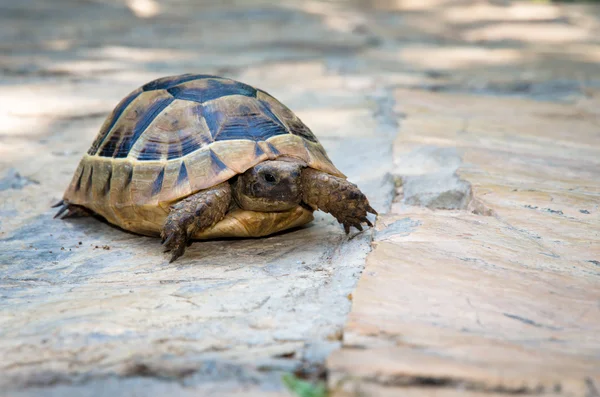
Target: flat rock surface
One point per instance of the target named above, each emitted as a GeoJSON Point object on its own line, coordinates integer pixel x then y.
{"type": "Point", "coordinates": [88, 308]}
{"type": "Point", "coordinates": [485, 270]}
{"type": "Point", "coordinates": [495, 290]}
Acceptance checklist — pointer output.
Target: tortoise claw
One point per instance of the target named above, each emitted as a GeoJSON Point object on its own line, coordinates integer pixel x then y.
{"type": "Point", "coordinates": [61, 202]}
{"type": "Point", "coordinates": [167, 242]}
{"type": "Point", "coordinates": [61, 210]}
{"type": "Point", "coordinates": [355, 219]}
{"type": "Point", "coordinates": [176, 254]}
{"type": "Point", "coordinates": [72, 210]}
{"type": "Point", "coordinates": [175, 239]}
{"type": "Point", "coordinates": [355, 223]}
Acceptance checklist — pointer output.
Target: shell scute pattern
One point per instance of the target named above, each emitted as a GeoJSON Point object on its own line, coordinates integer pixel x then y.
{"type": "Point", "coordinates": [132, 123]}
{"type": "Point", "coordinates": [167, 82]}
{"type": "Point", "coordinates": [240, 118]}
{"type": "Point", "coordinates": [180, 134]}
{"type": "Point", "coordinates": [127, 141]}
{"type": "Point", "coordinates": [158, 182]}
{"type": "Point", "coordinates": [286, 116]}
{"type": "Point", "coordinates": [112, 119]}
{"type": "Point", "coordinates": [182, 176]}
{"type": "Point", "coordinates": [178, 131]}
{"type": "Point", "coordinates": [172, 117]}
{"type": "Point", "coordinates": [205, 90]}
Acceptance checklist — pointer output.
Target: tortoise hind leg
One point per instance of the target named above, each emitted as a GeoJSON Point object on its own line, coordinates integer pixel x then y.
{"type": "Point", "coordinates": [337, 196]}
{"type": "Point", "coordinates": [72, 210]}
{"type": "Point", "coordinates": [194, 213]}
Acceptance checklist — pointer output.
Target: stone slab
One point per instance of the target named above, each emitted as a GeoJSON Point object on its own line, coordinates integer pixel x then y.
{"type": "Point", "coordinates": [88, 309]}
{"type": "Point", "coordinates": [502, 296]}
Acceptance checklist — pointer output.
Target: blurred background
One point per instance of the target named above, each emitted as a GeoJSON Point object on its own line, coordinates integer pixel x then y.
{"type": "Point", "coordinates": [68, 58]}
{"type": "Point", "coordinates": [97, 51]}
{"type": "Point", "coordinates": [499, 100]}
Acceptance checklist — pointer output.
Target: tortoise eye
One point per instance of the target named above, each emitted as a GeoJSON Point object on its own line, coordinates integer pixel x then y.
{"type": "Point", "coordinates": [269, 178]}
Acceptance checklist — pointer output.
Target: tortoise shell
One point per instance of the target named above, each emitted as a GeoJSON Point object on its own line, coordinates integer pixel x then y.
{"type": "Point", "coordinates": [177, 135]}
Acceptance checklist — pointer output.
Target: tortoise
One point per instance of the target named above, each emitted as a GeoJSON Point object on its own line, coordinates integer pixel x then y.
{"type": "Point", "coordinates": [198, 156]}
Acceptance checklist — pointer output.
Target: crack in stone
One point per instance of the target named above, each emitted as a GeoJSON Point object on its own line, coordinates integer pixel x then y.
{"type": "Point", "coordinates": [529, 322]}
{"type": "Point", "coordinates": [385, 112]}
{"type": "Point", "coordinates": [160, 372]}
{"type": "Point", "coordinates": [428, 177]}
{"type": "Point", "coordinates": [400, 228]}
{"type": "Point", "coordinates": [437, 191]}
{"type": "Point", "coordinates": [448, 382]}
{"type": "Point", "coordinates": [592, 389]}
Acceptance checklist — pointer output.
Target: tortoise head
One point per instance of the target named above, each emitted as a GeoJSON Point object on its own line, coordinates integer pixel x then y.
{"type": "Point", "coordinates": [269, 186]}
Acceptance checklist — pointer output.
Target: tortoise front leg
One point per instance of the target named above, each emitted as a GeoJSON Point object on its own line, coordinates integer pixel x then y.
{"type": "Point", "coordinates": [337, 196]}
{"type": "Point", "coordinates": [194, 213]}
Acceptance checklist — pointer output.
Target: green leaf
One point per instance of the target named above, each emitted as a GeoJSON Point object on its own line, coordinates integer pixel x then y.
{"type": "Point", "coordinates": [302, 388]}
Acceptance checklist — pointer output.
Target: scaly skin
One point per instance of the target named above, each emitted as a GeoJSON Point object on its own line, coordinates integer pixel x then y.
{"type": "Point", "coordinates": [194, 213]}
{"type": "Point", "coordinates": [337, 196]}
